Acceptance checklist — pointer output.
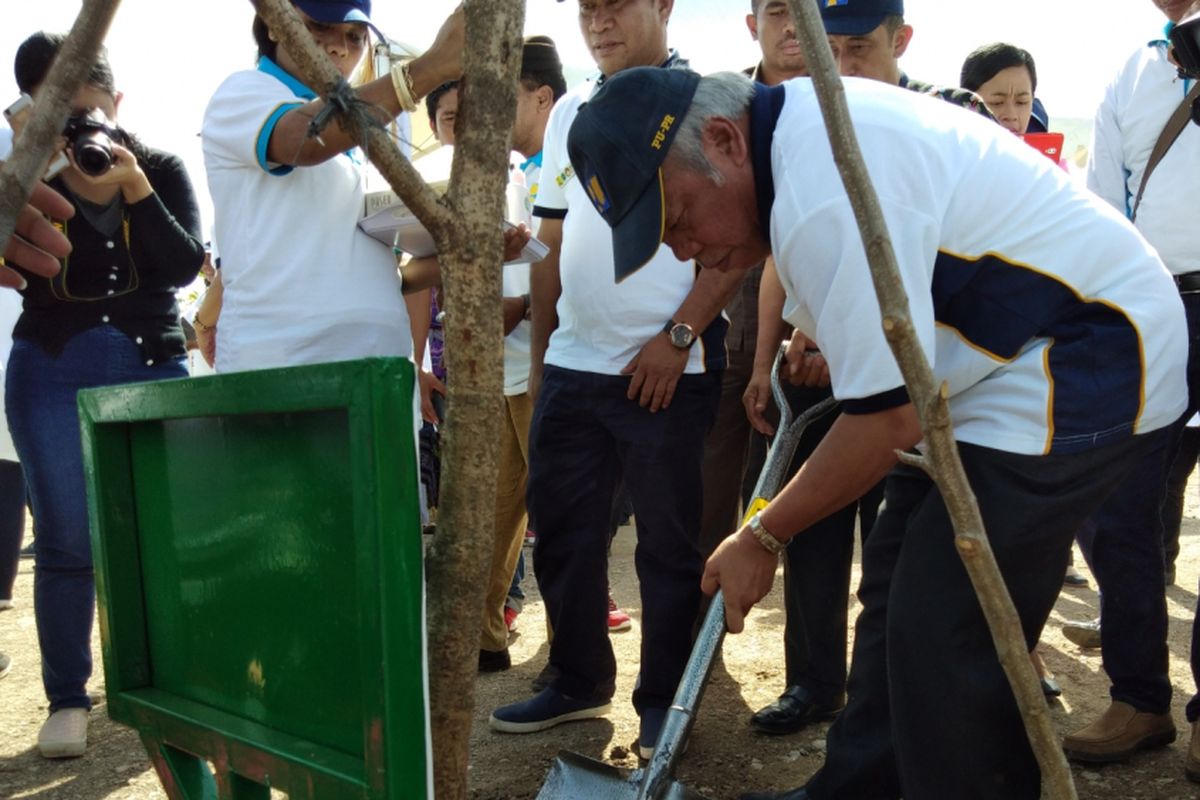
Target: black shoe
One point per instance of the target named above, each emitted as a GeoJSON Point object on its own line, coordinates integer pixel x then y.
{"type": "Point", "coordinates": [494, 660]}
{"type": "Point", "coordinates": [543, 679]}
{"type": "Point", "coordinates": [1050, 688]}
{"type": "Point", "coordinates": [794, 709]}
{"type": "Point", "coordinates": [27, 551]}
{"type": "Point", "coordinates": [794, 794]}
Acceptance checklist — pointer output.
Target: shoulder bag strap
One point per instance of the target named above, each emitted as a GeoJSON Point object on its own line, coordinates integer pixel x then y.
{"type": "Point", "coordinates": [1170, 133]}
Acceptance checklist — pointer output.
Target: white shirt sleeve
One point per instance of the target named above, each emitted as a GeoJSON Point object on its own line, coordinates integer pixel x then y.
{"type": "Point", "coordinates": [551, 200]}
{"type": "Point", "coordinates": [1106, 171]}
{"type": "Point", "coordinates": [240, 119]}
{"type": "Point", "coordinates": [826, 268]}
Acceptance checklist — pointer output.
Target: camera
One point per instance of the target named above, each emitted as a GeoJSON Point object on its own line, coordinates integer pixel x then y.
{"type": "Point", "coordinates": [91, 139]}
{"type": "Point", "coordinates": [18, 115]}
{"type": "Point", "coordinates": [1185, 38]}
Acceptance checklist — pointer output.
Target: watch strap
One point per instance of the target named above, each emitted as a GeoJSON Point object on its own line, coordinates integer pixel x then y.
{"type": "Point", "coordinates": [769, 542]}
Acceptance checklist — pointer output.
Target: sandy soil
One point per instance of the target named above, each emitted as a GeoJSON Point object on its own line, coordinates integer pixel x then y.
{"type": "Point", "coordinates": [725, 756]}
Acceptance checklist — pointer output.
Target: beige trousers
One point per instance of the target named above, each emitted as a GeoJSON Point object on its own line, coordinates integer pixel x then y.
{"type": "Point", "coordinates": [510, 518]}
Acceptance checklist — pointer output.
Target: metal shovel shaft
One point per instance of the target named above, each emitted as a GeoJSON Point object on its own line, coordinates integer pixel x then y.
{"type": "Point", "coordinates": [657, 779]}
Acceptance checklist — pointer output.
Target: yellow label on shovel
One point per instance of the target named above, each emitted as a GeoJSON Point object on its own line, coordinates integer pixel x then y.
{"type": "Point", "coordinates": [757, 505]}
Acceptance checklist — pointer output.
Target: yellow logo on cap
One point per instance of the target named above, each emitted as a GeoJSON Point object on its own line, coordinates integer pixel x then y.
{"type": "Point", "coordinates": [661, 136]}
{"type": "Point", "coordinates": [596, 193]}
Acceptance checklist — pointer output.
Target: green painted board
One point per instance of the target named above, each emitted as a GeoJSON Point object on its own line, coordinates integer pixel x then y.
{"type": "Point", "coordinates": [258, 554]}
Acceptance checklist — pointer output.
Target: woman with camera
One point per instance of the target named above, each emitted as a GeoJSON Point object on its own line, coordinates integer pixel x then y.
{"type": "Point", "coordinates": [108, 317]}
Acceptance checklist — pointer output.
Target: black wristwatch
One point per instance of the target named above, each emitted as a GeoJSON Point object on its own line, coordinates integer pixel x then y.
{"type": "Point", "coordinates": [680, 334]}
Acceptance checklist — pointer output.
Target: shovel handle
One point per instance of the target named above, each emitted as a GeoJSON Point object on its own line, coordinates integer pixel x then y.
{"type": "Point", "coordinates": [681, 715]}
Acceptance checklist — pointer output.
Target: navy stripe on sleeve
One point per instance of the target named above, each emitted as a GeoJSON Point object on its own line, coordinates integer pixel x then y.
{"type": "Point", "coordinates": [549, 213]}
{"type": "Point", "coordinates": [884, 401]}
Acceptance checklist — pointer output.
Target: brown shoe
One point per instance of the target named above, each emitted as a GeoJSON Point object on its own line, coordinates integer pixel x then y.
{"type": "Point", "coordinates": [1191, 765]}
{"type": "Point", "coordinates": [1120, 732]}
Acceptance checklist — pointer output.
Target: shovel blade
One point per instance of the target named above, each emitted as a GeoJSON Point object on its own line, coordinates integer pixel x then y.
{"type": "Point", "coordinates": [576, 777]}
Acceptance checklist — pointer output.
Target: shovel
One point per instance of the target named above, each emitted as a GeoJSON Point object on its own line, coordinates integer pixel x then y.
{"type": "Point", "coordinates": [577, 777]}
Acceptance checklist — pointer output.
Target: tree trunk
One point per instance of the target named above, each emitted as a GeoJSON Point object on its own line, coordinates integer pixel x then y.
{"type": "Point", "coordinates": [466, 227]}
{"type": "Point", "coordinates": [942, 462]}
{"type": "Point", "coordinates": [38, 139]}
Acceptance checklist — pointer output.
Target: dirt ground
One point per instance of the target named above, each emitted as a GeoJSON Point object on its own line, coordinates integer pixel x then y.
{"type": "Point", "coordinates": [725, 757]}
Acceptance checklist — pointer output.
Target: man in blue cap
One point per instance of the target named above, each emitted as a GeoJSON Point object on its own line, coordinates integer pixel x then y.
{"type": "Point", "coordinates": [1026, 312]}
{"type": "Point", "coordinates": [868, 37]}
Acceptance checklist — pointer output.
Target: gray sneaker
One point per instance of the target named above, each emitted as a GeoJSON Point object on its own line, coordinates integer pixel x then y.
{"type": "Point", "coordinates": [1084, 634]}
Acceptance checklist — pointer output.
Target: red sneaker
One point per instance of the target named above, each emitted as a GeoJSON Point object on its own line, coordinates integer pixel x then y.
{"type": "Point", "coordinates": [510, 619]}
{"type": "Point", "coordinates": [618, 620]}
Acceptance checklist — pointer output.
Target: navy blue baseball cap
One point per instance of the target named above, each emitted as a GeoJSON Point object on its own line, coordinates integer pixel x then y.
{"type": "Point", "coordinates": [857, 17]}
{"type": "Point", "coordinates": [334, 11]}
{"type": "Point", "coordinates": [617, 145]}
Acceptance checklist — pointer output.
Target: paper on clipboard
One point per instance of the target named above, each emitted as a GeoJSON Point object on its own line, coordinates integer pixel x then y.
{"type": "Point", "coordinates": [397, 227]}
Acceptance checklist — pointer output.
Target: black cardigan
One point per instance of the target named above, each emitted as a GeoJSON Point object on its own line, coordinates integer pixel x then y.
{"type": "Point", "coordinates": [128, 281]}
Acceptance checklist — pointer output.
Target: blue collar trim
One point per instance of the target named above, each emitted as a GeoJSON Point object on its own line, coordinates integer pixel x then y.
{"type": "Point", "coordinates": [534, 160]}
{"type": "Point", "coordinates": [765, 107]}
{"type": "Point", "coordinates": [286, 78]}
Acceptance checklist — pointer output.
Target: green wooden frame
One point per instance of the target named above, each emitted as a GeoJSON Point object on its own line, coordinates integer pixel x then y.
{"type": "Point", "coordinates": [258, 559]}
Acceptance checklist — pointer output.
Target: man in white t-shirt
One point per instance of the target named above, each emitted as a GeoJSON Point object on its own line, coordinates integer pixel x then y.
{"type": "Point", "coordinates": [1030, 298]}
{"type": "Point", "coordinates": [302, 283]}
{"type": "Point", "coordinates": [628, 389]}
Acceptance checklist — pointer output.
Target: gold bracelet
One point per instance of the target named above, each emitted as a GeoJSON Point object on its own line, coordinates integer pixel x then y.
{"type": "Point", "coordinates": [200, 325]}
{"type": "Point", "coordinates": [402, 85]}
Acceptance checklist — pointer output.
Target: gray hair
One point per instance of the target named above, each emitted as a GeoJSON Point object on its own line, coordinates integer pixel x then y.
{"type": "Point", "coordinates": [722, 94]}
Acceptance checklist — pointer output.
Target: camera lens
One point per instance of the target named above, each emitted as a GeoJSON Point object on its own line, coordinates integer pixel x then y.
{"type": "Point", "coordinates": [93, 155]}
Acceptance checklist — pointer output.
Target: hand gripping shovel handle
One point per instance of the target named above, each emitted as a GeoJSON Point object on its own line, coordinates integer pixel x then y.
{"type": "Point", "coordinates": [678, 723]}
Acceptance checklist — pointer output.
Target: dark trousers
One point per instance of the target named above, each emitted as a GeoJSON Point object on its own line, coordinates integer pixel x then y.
{"type": "Point", "coordinates": [12, 524]}
{"type": "Point", "coordinates": [586, 435]}
{"type": "Point", "coordinates": [726, 455]}
{"type": "Point", "coordinates": [816, 572]}
{"type": "Point", "coordinates": [930, 713]}
{"type": "Point", "coordinates": [1123, 546]}
{"type": "Point", "coordinates": [1182, 465]}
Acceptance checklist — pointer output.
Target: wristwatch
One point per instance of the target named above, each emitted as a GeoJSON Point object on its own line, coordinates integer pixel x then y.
{"type": "Point", "coordinates": [764, 537]}
{"type": "Point", "coordinates": [680, 334]}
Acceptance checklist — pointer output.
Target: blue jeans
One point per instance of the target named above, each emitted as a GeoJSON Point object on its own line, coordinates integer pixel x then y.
{"type": "Point", "coordinates": [40, 396]}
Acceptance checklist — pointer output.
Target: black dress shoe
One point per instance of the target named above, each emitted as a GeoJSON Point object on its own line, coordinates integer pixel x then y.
{"type": "Point", "coordinates": [494, 660]}
{"type": "Point", "coordinates": [794, 709]}
{"type": "Point", "coordinates": [794, 794]}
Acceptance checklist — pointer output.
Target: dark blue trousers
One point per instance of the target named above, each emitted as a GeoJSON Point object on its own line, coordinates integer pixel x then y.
{"type": "Point", "coordinates": [585, 437]}
{"type": "Point", "coordinates": [816, 572]}
{"type": "Point", "coordinates": [930, 714]}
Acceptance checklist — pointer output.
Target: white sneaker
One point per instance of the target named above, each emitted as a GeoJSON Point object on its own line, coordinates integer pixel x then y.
{"type": "Point", "coordinates": [64, 734]}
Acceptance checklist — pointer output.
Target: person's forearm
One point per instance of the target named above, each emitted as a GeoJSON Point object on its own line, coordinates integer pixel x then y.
{"type": "Point", "coordinates": [420, 317]}
{"type": "Point", "coordinates": [856, 453]}
{"type": "Point", "coordinates": [514, 312]}
{"type": "Point", "coordinates": [420, 275]}
{"type": "Point", "coordinates": [209, 310]}
{"type": "Point", "coordinates": [771, 327]}
{"type": "Point", "coordinates": [291, 144]}
{"type": "Point", "coordinates": [545, 286]}
{"type": "Point", "coordinates": [708, 297]}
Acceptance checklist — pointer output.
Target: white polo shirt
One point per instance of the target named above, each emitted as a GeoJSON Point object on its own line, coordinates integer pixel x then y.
{"type": "Point", "coordinates": [1054, 323]}
{"type": "Point", "coordinates": [603, 324]}
{"type": "Point", "coordinates": [303, 284]}
{"type": "Point", "coordinates": [522, 188]}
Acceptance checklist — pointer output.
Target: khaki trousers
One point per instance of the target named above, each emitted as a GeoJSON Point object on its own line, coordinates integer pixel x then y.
{"type": "Point", "coordinates": [510, 518]}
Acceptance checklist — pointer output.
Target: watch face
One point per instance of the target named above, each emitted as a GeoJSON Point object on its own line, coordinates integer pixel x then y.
{"type": "Point", "coordinates": [682, 336]}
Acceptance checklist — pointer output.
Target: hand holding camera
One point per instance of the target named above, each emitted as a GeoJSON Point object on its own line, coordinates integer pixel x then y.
{"type": "Point", "coordinates": [93, 149]}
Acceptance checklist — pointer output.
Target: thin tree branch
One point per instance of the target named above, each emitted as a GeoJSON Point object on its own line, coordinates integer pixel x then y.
{"type": "Point", "coordinates": [932, 405]}
{"type": "Point", "coordinates": [39, 137]}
